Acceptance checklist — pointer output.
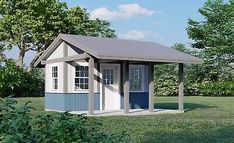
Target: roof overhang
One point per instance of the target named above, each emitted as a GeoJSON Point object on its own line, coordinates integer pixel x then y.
{"type": "Point", "coordinates": [89, 51]}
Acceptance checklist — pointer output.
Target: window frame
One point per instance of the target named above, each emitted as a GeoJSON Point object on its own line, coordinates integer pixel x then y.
{"type": "Point", "coordinates": [141, 67]}
{"type": "Point", "coordinates": [77, 88]}
{"type": "Point", "coordinates": [111, 76]}
{"type": "Point", "coordinates": [53, 77]}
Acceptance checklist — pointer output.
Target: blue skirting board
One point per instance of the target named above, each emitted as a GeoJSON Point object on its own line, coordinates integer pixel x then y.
{"type": "Point", "coordinates": [70, 101]}
{"type": "Point", "coordinates": [79, 101]}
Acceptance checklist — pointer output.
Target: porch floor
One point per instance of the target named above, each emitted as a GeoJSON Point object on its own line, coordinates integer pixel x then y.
{"type": "Point", "coordinates": [132, 112]}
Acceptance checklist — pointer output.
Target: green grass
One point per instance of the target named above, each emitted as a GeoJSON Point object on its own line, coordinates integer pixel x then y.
{"type": "Point", "coordinates": [206, 119]}
{"type": "Point", "coordinates": [36, 102]}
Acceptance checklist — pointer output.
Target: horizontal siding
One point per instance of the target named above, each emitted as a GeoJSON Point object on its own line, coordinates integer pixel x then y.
{"type": "Point", "coordinates": [70, 101]}
{"type": "Point", "coordinates": [136, 100]}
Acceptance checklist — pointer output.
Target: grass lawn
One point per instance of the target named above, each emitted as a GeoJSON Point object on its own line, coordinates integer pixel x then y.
{"type": "Point", "coordinates": [206, 119]}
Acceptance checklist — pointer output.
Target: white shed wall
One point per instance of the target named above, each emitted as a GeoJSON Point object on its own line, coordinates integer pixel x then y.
{"type": "Point", "coordinates": [58, 53]}
{"type": "Point", "coordinates": [71, 78]}
{"type": "Point", "coordinates": [70, 51]}
{"type": "Point", "coordinates": [48, 77]}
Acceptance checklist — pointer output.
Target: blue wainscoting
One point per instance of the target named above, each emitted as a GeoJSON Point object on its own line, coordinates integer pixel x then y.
{"type": "Point", "coordinates": [136, 100]}
{"type": "Point", "coordinates": [70, 101]}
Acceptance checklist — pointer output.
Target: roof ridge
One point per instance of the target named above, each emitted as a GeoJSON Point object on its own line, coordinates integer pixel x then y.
{"type": "Point", "coordinates": [108, 38]}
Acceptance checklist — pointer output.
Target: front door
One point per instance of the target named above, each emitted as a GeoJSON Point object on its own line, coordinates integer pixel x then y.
{"type": "Point", "coordinates": [111, 82]}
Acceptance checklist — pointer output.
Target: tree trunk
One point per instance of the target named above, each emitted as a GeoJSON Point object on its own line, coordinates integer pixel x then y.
{"type": "Point", "coordinates": [38, 54]}
{"type": "Point", "coordinates": [20, 60]}
{"type": "Point", "coordinates": [2, 57]}
{"type": "Point", "coordinates": [31, 65]}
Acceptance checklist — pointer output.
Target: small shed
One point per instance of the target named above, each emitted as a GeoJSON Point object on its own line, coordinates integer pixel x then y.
{"type": "Point", "coordinates": [85, 73]}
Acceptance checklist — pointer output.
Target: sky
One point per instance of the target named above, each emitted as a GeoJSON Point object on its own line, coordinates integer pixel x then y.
{"type": "Point", "coordinates": [160, 21]}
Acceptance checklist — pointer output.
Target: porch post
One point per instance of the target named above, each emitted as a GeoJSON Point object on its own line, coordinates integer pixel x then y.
{"type": "Point", "coordinates": [181, 87]}
{"type": "Point", "coordinates": [126, 86]}
{"type": "Point", "coordinates": [151, 87]}
{"type": "Point", "coordinates": [91, 87]}
{"type": "Point", "coordinates": [65, 68]}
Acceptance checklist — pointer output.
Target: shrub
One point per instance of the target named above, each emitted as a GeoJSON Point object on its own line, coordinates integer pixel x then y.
{"type": "Point", "coordinates": [18, 125]}
{"type": "Point", "coordinates": [166, 86]}
{"type": "Point", "coordinates": [217, 88]}
{"type": "Point", "coordinates": [191, 88]}
{"type": "Point", "coordinates": [16, 81]}
{"type": "Point", "coordinates": [166, 83]}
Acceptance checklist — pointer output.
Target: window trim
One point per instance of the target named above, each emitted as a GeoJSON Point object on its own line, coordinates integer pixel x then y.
{"type": "Point", "coordinates": [52, 78]}
{"type": "Point", "coordinates": [142, 77]}
{"type": "Point", "coordinates": [74, 78]}
{"type": "Point", "coordinates": [112, 76]}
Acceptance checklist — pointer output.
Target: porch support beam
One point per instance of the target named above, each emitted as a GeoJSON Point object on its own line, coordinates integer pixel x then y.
{"type": "Point", "coordinates": [66, 59]}
{"type": "Point", "coordinates": [151, 87]}
{"type": "Point", "coordinates": [181, 87]}
{"type": "Point", "coordinates": [65, 68]}
{"type": "Point", "coordinates": [91, 87]}
{"type": "Point", "coordinates": [126, 86]}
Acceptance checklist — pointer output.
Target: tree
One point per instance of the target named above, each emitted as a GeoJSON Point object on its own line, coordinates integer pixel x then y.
{"type": "Point", "coordinates": [215, 36]}
{"type": "Point", "coordinates": [32, 25]}
{"type": "Point", "coordinates": [167, 76]}
{"type": "Point", "coordinates": [197, 78]}
{"type": "Point", "coordinates": [17, 82]}
{"type": "Point", "coordinates": [2, 55]}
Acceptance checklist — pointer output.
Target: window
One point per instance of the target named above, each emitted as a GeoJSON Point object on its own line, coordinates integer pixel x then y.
{"type": "Point", "coordinates": [135, 78]}
{"type": "Point", "coordinates": [81, 77]}
{"type": "Point", "coordinates": [55, 78]}
{"type": "Point", "coordinates": [108, 77]}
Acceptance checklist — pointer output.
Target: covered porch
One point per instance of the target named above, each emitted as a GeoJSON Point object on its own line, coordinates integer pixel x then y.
{"type": "Point", "coordinates": [125, 88]}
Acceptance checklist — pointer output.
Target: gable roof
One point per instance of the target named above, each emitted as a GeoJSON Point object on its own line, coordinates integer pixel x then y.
{"type": "Point", "coordinates": [119, 49]}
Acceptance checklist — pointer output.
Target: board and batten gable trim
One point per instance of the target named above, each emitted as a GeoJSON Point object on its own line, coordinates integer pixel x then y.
{"type": "Point", "coordinates": [78, 45]}
{"type": "Point", "coordinates": [67, 59]}
{"type": "Point", "coordinates": [57, 41]}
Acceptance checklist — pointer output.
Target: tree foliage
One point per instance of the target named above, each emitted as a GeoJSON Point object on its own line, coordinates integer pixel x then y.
{"type": "Point", "coordinates": [16, 81]}
{"type": "Point", "coordinates": [32, 25]}
{"type": "Point", "coordinates": [215, 35]}
{"type": "Point", "coordinates": [198, 80]}
{"type": "Point", "coordinates": [166, 76]}
{"type": "Point", "coordinates": [17, 124]}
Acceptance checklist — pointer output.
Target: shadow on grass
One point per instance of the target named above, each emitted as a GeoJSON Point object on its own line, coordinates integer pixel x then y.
{"type": "Point", "coordinates": [179, 134]}
{"type": "Point", "coordinates": [187, 106]}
